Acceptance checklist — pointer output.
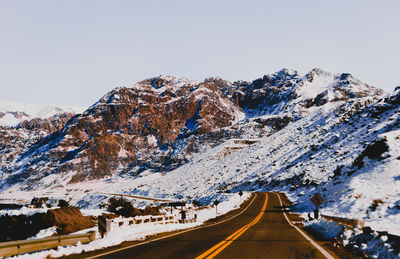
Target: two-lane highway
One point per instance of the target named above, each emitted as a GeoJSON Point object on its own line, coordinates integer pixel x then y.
{"type": "Point", "coordinates": [260, 231]}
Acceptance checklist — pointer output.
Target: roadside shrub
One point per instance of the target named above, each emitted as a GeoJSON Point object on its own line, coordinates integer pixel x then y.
{"type": "Point", "coordinates": [122, 207]}
{"type": "Point", "coordinates": [20, 227]}
{"type": "Point", "coordinates": [38, 202]}
{"type": "Point", "coordinates": [196, 203]}
{"type": "Point", "coordinates": [63, 203]}
{"type": "Point", "coordinates": [149, 210]}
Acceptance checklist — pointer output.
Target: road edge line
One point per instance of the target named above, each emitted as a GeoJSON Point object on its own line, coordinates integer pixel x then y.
{"type": "Point", "coordinates": [323, 251]}
{"type": "Point", "coordinates": [175, 234]}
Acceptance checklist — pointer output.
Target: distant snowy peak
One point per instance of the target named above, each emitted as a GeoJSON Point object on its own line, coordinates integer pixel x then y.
{"type": "Point", "coordinates": [318, 82]}
{"type": "Point", "coordinates": [162, 82]}
{"type": "Point", "coordinates": [13, 113]}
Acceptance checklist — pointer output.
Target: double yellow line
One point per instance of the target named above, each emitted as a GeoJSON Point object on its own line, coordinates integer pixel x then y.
{"type": "Point", "coordinates": [213, 251]}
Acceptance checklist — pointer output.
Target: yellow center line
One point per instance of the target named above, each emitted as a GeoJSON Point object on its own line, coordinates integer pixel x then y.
{"type": "Point", "coordinates": [213, 251]}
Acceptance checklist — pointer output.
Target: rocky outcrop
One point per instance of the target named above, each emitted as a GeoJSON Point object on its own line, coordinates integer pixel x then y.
{"type": "Point", "coordinates": [48, 125]}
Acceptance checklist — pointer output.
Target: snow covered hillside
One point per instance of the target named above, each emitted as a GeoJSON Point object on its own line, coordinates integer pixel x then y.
{"type": "Point", "coordinates": [302, 134]}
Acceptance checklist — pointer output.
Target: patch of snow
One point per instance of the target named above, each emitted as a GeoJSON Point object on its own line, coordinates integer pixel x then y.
{"type": "Point", "coordinates": [44, 233]}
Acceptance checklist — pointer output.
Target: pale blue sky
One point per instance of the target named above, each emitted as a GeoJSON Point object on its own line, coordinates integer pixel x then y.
{"type": "Point", "coordinates": [73, 52]}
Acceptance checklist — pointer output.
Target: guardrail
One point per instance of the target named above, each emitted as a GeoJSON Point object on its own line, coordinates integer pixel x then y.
{"type": "Point", "coordinates": [193, 220]}
{"type": "Point", "coordinates": [143, 219]}
{"type": "Point", "coordinates": [106, 225]}
{"type": "Point", "coordinates": [26, 246]}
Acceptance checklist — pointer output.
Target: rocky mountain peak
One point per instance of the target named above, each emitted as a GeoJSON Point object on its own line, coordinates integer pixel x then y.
{"type": "Point", "coordinates": [129, 126]}
{"type": "Point", "coordinates": [155, 123]}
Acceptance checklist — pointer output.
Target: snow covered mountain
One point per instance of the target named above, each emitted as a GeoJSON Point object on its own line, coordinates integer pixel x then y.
{"type": "Point", "coordinates": [175, 138]}
{"type": "Point", "coordinates": [127, 130]}
{"type": "Point", "coordinates": [13, 113]}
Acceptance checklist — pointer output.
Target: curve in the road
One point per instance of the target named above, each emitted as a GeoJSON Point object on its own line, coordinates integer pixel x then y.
{"type": "Point", "coordinates": [261, 230]}
{"type": "Point", "coordinates": [323, 251]}
{"type": "Point", "coordinates": [212, 252]}
{"type": "Point", "coordinates": [174, 234]}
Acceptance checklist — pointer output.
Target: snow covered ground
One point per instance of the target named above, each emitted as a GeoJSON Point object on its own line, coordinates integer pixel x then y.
{"type": "Point", "coordinates": [137, 232]}
{"type": "Point", "coordinates": [371, 245]}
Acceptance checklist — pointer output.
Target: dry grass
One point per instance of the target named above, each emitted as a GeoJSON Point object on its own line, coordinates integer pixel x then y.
{"type": "Point", "coordinates": [69, 220]}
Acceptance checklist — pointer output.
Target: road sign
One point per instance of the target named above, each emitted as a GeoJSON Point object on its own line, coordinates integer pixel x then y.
{"type": "Point", "coordinates": [216, 202]}
{"type": "Point", "coordinates": [104, 225]}
{"type": "Point", "coordinates": [317, 200]}
{"type": "Point", "coordinates": [176, 204]}
{"type": "Point", "coordinates": [240, 193]}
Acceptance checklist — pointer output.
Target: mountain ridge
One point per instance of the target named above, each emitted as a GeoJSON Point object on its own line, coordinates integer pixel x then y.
{"type": "Point", "coordinates": [155, 124]}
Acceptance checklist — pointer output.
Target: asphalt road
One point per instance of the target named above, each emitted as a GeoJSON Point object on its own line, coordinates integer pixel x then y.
{"type": "Point", "coordinates": [261, 231]}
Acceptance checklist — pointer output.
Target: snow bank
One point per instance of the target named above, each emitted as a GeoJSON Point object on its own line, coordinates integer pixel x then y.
{"type": "Point", "coordinates": [22, 211]}
{"type": "Point", "coordinates": [367, 243]}
{"type": "Point", "coordinates": [370, 244]}
{"type": "Point", "coordinates": [327, 229]}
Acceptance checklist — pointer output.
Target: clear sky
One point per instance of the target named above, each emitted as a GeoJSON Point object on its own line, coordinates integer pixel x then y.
{"type": "Point", "coordinates": [74, 52]}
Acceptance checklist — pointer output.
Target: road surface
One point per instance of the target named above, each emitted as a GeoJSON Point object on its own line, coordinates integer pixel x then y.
{"type": "Point", "coordinates": [261, 231]}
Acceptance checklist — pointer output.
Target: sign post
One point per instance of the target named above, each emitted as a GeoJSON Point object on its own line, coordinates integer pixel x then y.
{"type": "Point", "coordinates": [103, 225]}
{"type": "Point", "coordinates": [317, 200]}
{"type": "Point", "coordinates": [176, 204]}
{"type": "Point", "coordinates": [216, 202]}
{"type": "Point", "coordinates": [240, 194]}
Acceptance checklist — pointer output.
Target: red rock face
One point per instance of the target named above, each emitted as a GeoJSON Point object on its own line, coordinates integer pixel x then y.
{"type": "Point", "coordinates": [48, 125]}
{"type": "Point", "coordinates": [124, 129]}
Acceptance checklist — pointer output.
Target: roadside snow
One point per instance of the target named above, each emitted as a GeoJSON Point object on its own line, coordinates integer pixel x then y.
{"type": "Point", "coordinates": [22, 211]}
{"type": "Point", "coordinates": [138, 232]}
{"type": "Point", "coordinates": [44, 233]}
{"type": "Point", "coordinates": [372, 245]}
